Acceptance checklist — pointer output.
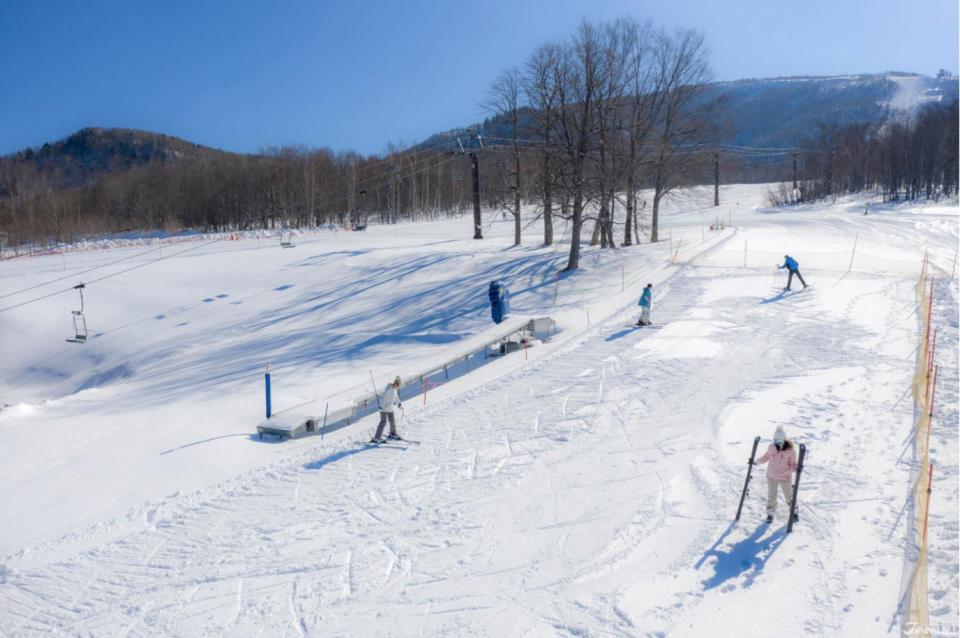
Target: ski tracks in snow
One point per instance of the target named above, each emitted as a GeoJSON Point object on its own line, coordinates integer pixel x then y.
{"type": "Point", "coordinates": [590, 521]}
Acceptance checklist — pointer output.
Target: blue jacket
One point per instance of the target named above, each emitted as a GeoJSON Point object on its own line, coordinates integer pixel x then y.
{"type": "Point", "coordinates": [790, 263]}
{"type": "Point", "coordinates": [645, 298]}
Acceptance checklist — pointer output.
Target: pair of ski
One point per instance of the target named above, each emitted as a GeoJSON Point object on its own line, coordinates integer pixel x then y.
{"type": "Point", "coordinates": [388, 441]}
{"type": "Point", "coordinates": [796, 482]}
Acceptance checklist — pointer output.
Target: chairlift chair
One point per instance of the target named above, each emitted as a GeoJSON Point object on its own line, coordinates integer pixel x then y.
{"type": "Point", "coordinates": [79, 321]}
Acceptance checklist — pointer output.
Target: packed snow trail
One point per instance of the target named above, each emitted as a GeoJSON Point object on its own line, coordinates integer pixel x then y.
{"type": "Point", "coordinates": [590, 493]}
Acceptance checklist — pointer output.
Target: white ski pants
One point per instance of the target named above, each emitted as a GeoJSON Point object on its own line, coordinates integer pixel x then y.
{"type": "Point", "coordinates": [645, 314]}
{"type": "Point", "coordinates": [787, 488]}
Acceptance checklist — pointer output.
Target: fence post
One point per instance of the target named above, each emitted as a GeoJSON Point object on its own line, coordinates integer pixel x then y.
{"type": "Point", "coordinates": [926, 514]}
{"type": "Point", "coordinates": [588, 317]}
{"type": "Point", "coordinates": [744, 253]}
{"type": "Point", "coordinates": [556, 291]}
{"type": "Point", "coordinates": [266, 376]}
{"type": "Point", "coordinates": [953, 269]}
{"type": "Point", "coordinates": [933, 392]}
{"type": "Point", "coordinates": [854, 251]}
{"type": "Point", "coordinates": [425, 387]}
{"type": "Point", "coordinates": [932, 352]}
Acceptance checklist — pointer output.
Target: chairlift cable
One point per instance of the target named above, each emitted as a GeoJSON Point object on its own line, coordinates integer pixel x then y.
{"type": "Point", "coordinates": [82, 272]}
{"type": "Point", "coordinates": [113, 274]}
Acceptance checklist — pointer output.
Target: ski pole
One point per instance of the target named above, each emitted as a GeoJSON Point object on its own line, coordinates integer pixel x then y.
{"type": "Point", "coordinates": [375, 393]}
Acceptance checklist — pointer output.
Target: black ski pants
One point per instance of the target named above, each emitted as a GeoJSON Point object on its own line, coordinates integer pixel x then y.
{"type": "Point", "coordinates": [799, 276]}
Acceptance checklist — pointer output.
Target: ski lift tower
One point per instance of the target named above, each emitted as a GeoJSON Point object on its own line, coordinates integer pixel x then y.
{"type": "Point", "coordinates": [475, 175]}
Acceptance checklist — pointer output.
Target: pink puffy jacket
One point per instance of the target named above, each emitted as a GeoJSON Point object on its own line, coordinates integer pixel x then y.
{"type": "Point", "coordinates": [782, 462]}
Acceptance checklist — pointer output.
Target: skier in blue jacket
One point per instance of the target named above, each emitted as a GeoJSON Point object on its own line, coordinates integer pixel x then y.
{"type": "Point", "coordinates": [646, 299]}
{"type": "Point", "coordinates": [791, 264]}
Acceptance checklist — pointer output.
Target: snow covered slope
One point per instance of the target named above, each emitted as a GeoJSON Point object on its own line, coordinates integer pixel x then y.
{"type": "Point", "coordinates": [587, 491]}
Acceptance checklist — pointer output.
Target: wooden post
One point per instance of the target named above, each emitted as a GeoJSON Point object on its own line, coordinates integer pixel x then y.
{"type": "Point", "coordinates": [926, 514]}
{"type": "Point", "coordinates": [933, 392]}
{"type": "Point", "coordinates": [932, 352]}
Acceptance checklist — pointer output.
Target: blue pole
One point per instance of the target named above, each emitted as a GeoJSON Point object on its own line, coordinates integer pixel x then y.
{"type": "Point", "coordinates": [267, 376]}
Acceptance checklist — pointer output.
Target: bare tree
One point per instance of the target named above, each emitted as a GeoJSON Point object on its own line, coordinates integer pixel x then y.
{"type": "Point", "coordinates": [541, 82]}
{"type": "Point", "coordinates": [504, 99]}
{"type": "Point", "coordinates": [684, 120]}
{"type": "Point", "coordinates": [577, 87]}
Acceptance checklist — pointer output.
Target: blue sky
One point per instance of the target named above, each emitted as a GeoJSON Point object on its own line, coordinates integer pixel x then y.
{"type": "Point", "coordinates": [243, 75]}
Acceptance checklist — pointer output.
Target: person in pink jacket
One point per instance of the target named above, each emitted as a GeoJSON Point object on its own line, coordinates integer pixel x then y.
{"type": "Point", "coordinates": [782, 458]}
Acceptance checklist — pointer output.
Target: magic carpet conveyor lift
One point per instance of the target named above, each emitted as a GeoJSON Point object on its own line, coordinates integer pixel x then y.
{"type": "Point", "coordinates": [509, 336]}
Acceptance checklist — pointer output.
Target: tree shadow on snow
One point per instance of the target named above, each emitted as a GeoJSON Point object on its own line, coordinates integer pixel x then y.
{"type": "Point", "coordinates": [748, 556]}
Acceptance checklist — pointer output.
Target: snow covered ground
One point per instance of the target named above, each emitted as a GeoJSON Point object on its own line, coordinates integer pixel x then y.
{"type": "Point", "coordinates": [589, 490]}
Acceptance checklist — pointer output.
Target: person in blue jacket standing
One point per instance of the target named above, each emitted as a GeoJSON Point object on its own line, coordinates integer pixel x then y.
{"type": "Point", "coordinates": [646, 299]}
{"type": "Point", "coordinates": [791, 264]}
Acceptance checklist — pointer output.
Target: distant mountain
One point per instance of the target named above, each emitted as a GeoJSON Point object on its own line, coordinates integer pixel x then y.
{"type": "Point", "coordinates": [781, 112]}
{"type": "Point", "coordinates": [774, 112]}
{"type": "Point", "coordinates": [90, 153]}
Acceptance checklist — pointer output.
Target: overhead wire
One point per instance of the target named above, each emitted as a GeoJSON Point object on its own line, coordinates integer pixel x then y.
{"type": "Point", "coordinates": [113, 274]}
{"type": "Point", "coordinates": [82, 272]}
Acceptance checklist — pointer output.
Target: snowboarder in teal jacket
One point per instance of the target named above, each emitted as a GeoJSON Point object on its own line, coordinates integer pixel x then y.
{"type": "Point", "coordinates": [791, 264]}
{"type": "Point", "coordinates": [646, 299]}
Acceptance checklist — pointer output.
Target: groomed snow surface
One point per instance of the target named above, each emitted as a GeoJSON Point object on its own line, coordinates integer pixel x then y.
{"type": "Point", "coordinates": [588, 490]}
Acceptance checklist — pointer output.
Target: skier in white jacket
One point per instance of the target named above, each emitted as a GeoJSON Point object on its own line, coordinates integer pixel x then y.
{"type": "Point", "coordinates": [388, 402]}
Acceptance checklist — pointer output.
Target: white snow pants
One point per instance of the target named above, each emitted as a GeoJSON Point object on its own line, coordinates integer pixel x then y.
{"type": "Point", "coordinates": [645, 314]}
{"type": "Point", "coordinates": [787, 488]}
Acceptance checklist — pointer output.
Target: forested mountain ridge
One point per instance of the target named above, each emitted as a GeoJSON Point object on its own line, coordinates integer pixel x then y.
{"type": "Point", "coordinates": [785, 111]}
{"type": "Point", "coordinates": [91, 153]}
{"type": "Point", "coordinates": [858, 132]}
{"type": "Point", "coordinates": [770, 112]}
